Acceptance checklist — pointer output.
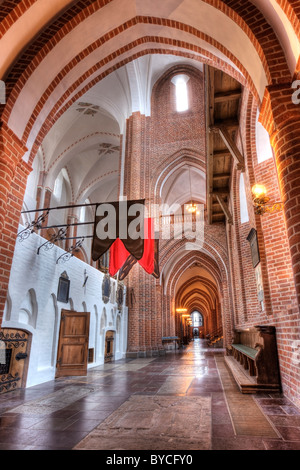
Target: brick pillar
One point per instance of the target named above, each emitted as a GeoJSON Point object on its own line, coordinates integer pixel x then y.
{"type": "Point", "coordinates": [13, 179]}
{"type": "Point", "coordinates": [47, 204]}
{"type": "Point", "coordinates": [281, 118]}
{"type": "Point", "coordinates": [142, 315]}
{"type": "Point", "coordinates": [71, 231]}
{"type": "Point", "coordinates": [11, 151]}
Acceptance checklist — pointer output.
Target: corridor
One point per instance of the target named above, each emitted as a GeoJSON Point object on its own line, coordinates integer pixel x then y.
{"type": "Point", "coordinates": [186, 399]}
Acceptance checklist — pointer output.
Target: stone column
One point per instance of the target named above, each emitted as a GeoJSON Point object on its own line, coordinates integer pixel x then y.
{"type": "Point", "coordinates": [281, 118]}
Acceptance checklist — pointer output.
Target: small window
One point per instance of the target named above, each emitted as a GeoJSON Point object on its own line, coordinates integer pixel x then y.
{"type": "Point", "coordinates": [82, 214]}
{"type": "Point", "coordinates": [58, 186]}
{"type": "Point", "coordinates": [243, 201]}
{"type": "Point", "coordinates": [263, 146]}
{"type": "Point", "coordinates": [182, 100]}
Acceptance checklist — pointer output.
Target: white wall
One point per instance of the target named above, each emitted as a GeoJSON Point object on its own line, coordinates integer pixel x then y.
{"type": "Point", "coordinates": [32, 305]}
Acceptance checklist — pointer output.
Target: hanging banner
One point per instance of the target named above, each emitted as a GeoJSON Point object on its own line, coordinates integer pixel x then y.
{"type": "Point", "coordinates": [131, 261]}
{"type": "Point", "coordinates": [123, 221]}
{"type": "Point", "coordinates": [121, 260]}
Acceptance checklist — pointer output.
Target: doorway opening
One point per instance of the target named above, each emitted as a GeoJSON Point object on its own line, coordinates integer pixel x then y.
{"type": "Point", "coordinates": [109, 346]}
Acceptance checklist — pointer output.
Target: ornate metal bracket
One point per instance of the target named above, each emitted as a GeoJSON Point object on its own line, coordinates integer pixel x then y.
{"type": "Point", "coordinates": [32, 226]}
{"type": "Point", "coordinates": [49, 244]}
{"type": "Point", "coordinates": [68, 255]}
{"type": "Point", "coordinates": [263, 208]}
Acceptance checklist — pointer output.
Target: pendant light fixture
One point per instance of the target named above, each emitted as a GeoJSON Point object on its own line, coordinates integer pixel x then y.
{"type": "Point", "coordinates": [192, 207]}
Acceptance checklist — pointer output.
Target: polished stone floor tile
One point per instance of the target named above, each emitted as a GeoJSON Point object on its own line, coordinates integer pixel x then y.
{"type": "Point", "coordinates": [61, 413]}
{"type": "Point", "coordinates": [282, 445]}
{"type": "Point", "coordinates": [237, 443]}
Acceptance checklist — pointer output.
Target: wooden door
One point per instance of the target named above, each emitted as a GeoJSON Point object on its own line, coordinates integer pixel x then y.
{"type": "Point", "coordinates": [15, 344]}
{"type": "Point", "coordinates": [72, 354]}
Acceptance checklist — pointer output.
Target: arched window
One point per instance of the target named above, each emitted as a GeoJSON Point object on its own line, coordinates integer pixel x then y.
{"type": "Point", "coordinates": [263, 145]}
{"type": "Point", "coordinates": [58, 186]}
{"type": "Point", "coordinates": [182, 100]}
{"type": "Point", "coordinates": [243, 201]}
{"type": "Point", "coordinates": [197, 318]}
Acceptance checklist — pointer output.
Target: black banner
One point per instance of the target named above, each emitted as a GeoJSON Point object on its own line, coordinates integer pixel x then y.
{"type": "Point", "coordinates": [122, 219]}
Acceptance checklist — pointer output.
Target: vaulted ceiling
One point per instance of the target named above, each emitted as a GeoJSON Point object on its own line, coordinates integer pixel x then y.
{"type": "Point", "coordinates": [82, 67]}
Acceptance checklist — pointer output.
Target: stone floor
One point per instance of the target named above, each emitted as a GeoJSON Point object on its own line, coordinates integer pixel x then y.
{"type": "Point", "coordinates": [122, 398]}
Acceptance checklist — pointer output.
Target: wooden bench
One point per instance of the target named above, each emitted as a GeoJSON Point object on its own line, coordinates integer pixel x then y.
{"type": "Point", "coordinates": [171, 339]}
{"type": "Point", "coordinates": [245, 356]}
{"type": "Point", "coordinates": [253, 360]}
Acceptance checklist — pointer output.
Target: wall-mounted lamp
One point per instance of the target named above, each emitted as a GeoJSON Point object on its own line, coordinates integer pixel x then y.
{"type": "Point", "coordinates": [181, 310]}
{"type": "Point", "coordinates": [261, 201]}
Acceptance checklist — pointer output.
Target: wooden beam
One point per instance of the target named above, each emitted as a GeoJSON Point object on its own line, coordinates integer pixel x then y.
{"type": "Point", "coordinates": [221, 193]}
{"type": "Point", "coordinates": [225, 209]}
{"type": "Point", "coordinates": [231, 124]}
{"type": "Point", "coordinates": [222, 153]}
{"type": "Point", "coordinates": [231, 145]}
{"type": "Point", "coordinates": [227, 96]}
{"type": "Point", "coordinates": [221, 176]}
{"type": "Point", "coordinates": [209, 75]}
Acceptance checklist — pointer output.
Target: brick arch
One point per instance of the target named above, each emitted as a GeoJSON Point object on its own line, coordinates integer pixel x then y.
{"type": "Point", "coordinates": [54, 115]}
{"type": "Point", "coordinates": [221, 281]}
{"type": "Point", "coordinates": [12, 11]}
{"type": "Point", "coordinates": [70, 98]}
{"type": "Point", "coordinates": [211, 246]}
{"type": "Point", "coordinates": [263, 37]}
{"type": "Point", "coordinates": [202, 295]}
{"type": "Point", "coordinates": [196, 306]}
{"type": "Point", "coordinates": [188, 260]}
{"type": "Point", "coordinates": [204, 281]}
{"type": "Point", "coordinates": [139, 19]}
{"type": "Point", "coordinates": [60, 27]}
{"type": "Point", "coordinates": [234, 11]}
{"type": "Point", "coordinates": [292, 10]}
{"type": "Point", "coordinates": [200, 307]}
{"type": "Point", "coordinates": [9, 13]}
{"type": "Point", "coordinates": [42, 54]}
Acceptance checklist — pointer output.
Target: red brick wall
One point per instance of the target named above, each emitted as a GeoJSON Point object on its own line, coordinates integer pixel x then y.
{"type": "Point", "coordinates": [154, 147]}
{"type": "Point", "coordinates": [153, 142]}
{"type": "Point", "coordinates": [13, 178]}
{"type": "Point", "coordinates": [281, 303]}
